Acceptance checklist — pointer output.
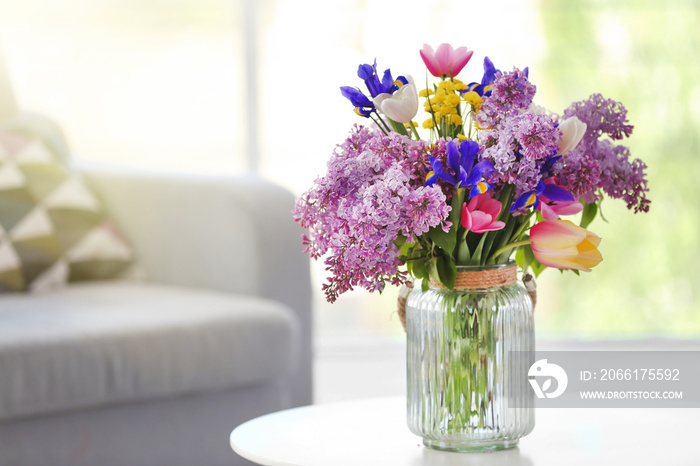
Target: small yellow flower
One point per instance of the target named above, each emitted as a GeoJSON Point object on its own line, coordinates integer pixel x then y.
{"type": "Point", "coordinates": [456, 119]}
{"type": "Point", "coordinates": [439, 98]}
{"type": "Point", "coordinates": [452, 85]}
{"type": "Point", "coordinates": [461, 137]}
{"type": "Point", "coordinates": [445, 110]}
{"type": "Point", "coordinates": [473, 99]}
{"type": "Point", "coordinates": [452, 100]}
{"type": "Point", "coordinates": [428, 124]}
{"type": "Point", "coordinates": [425, 93]}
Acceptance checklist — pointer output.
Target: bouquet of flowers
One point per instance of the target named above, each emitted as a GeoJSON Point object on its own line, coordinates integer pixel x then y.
{"type": "Point", "coordinates": [492, 181]}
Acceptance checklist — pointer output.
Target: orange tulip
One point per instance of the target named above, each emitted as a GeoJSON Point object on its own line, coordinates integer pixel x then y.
{"type": "Point", "coordinates": [564, 245]}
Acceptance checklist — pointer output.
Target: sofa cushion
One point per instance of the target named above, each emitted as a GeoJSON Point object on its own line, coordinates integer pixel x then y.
{"type": "Point", "coordinates": [53, 228]}
{"type": "Point", "coordinates": [97, 343]}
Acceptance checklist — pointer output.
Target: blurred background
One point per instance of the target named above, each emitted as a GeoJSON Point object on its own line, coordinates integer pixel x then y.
{"type": "Point", "coordinates": [237, 86]}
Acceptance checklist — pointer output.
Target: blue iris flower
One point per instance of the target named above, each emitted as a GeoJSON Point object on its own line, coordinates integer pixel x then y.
{"type": "Point", "coordinates": [375, 86]}
{"type": "Point", "coordinates": [461, 169]}
{"type": "Point", "coordinates": [363, 106]}
{"type": "Point", "coordinates": [484, 87]}
{"type": "Point", "coordinates": [549, 164]}
{"type": "Point", "coordinates": [368, 73]}
{"type": "Point", "coordinates": [532, 198]}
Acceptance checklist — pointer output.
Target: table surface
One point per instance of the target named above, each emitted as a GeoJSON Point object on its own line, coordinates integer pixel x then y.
{"type": "Point", "coordinates": [374, 432]}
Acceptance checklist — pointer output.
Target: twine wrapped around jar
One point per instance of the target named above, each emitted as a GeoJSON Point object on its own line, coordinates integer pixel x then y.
{"type": "Point", "coordinates": [474, 279]}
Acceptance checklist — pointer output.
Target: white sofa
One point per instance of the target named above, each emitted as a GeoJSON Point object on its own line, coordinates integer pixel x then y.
{"type": "Point", "coordinates": [159, 371]}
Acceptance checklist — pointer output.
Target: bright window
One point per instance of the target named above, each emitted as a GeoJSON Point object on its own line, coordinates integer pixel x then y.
{"type": "Point", "coordinates": [157, 85]}
{"type": "Point", "coordinates": [169, 85]}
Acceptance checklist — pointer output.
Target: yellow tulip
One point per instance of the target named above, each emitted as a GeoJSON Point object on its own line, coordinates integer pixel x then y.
{"type": "Point", "coordinates": [564, 245]}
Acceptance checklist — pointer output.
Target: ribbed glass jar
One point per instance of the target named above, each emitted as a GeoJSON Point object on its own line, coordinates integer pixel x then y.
{"type": "Point", "coordinates": [462, 384]}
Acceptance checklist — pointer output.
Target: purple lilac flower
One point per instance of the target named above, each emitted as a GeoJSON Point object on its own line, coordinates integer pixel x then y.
{"type": "Point", "coordinates": [537, 135]}
{"type": "Point", "coordinates": [510, 92]}
{"type": "Point", "coordinates": [519, 146]}
{"type": "Point", "coordinates": [579, 174]}
{"type": "Point", "coordinates": [602, 116]}
{"type": "Point", "coordinates": [373, 193]}
{"type": "Point", "coordinates": [598, 163]}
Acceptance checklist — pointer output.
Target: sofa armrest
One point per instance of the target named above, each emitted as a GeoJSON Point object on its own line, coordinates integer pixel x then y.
{"type": "Point", "coordinates": [229, 234]}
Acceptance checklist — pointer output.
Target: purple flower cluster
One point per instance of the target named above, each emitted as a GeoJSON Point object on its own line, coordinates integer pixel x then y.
{"type": "Point", "coordinates": [579, 174]}
{"type": "Point", "coordinates": [518, 140]}
{"type": "Point", "coordinates": [510, 93]}
{"type": "Point", "coordinates": [373, 194]}
{"type": "Point", "coordinates": [598, 163]}
{"type": "Point", "coordinates": [521, 143]}
{"type": "Point", "coordinates": [519, 147]}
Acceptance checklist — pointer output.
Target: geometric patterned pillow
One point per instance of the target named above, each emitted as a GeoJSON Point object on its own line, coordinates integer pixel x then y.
{"type": "Point", "coordinates": [53, 228]}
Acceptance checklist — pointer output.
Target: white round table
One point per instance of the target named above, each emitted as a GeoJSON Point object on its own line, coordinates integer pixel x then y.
{"type": "Point", "coordinates": [374, 433]}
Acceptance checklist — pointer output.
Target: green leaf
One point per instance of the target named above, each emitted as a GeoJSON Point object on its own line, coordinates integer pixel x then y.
{"type": "Point", "coordinates": [444, 240]}
{"type": "Point", "coordinates": [431, 268]}
{"type": "Point", "coordinates": [447, 270]}
{"type": "Point", "coordinates": [463, 253]}
{"type": "Point", "coordinates": [456, 207]}
{"type": "Point", "coordinates": [398, 127]}
{"type": "Point", "coordinates": [589, 213]}
{"type": "Point", "coordinates": [448, 240]}
{"type": "Point", "coordinates": [417, 268]}
{"type": "Point", "coordinates": [476, 256]}
{"type": "Point", "coordinates": [405, 249]}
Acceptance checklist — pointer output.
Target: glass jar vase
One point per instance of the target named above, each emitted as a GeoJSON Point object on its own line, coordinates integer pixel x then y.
{"type": "Point", "coordinates": [465, 390]}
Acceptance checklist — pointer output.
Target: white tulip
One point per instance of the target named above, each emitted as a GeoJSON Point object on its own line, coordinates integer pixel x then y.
{"type": "Point", "coordinates": [402, 106]}
{"type": "Point", "coordinates": [572, 130]}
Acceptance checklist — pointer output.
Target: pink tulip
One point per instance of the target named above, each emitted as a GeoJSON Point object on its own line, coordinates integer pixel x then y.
{"type": "Point", "coordinates": [553, 211]}
{"type": "Point", "coordinates": [446, 61]}
{"type": "Point", "coordinates": [481, 213]}
{"type": "Point", "coordinates": [563, 245]}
